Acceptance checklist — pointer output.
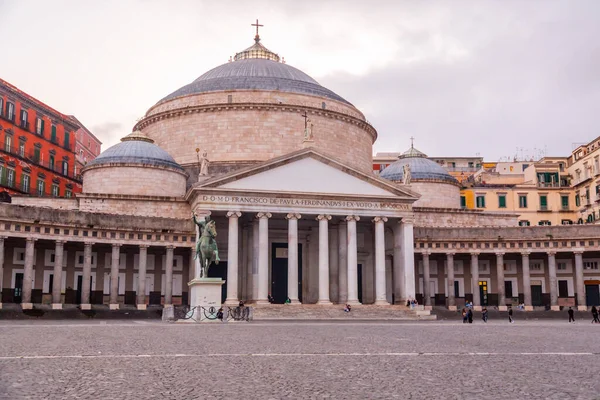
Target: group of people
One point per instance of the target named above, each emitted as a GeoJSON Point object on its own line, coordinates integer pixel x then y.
{"type": "Point", "coordinates": [467, 313]}
{"type": "Point", "coordinates": [411, 303]}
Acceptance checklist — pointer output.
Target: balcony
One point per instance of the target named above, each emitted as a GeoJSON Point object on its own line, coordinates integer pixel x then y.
{"type": "Point", "coordinates": [544, 209]}
{"type": "Point", "coordinates": [565, 208]}
{"type": "Point", "coordinates": [35, 159]}
{"type": "Point", "coordinates": [548, 185]}
{"type": "Point", "coordinates": [24, 125]}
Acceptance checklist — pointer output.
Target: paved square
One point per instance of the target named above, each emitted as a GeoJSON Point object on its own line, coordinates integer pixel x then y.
{"type": "Point", "coordinates": [141, 359]}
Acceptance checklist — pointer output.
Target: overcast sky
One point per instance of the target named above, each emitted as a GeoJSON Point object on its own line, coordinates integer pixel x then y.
{"type": "Point", "coordinates": [464, 78]}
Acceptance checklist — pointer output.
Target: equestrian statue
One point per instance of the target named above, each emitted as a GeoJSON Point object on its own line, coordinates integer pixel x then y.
{"type": "Point", "coordinates": [206, 245]}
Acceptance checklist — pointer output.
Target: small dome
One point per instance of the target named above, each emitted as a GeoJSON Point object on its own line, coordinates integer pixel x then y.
{"type": "Point", "coordinates": [255, 68]}
{"type": "Point", "coordinates": [135, 148]}
{"type": "Point", "coordinates": [421, 168]}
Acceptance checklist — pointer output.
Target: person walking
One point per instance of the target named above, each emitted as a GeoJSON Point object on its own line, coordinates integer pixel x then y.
{"type": "Point", "coordinates": [464, 315]}
{"type": "Point", "coordinates": [484, 314]}
{"type": "Point", "coordinates": [470, 315]}
{"type": "Point", "coordinates": [510, 316]}
{"type": "Point", "coordinates": [571, 315]}
{"type": "Point", "coordinates": [595, 315]}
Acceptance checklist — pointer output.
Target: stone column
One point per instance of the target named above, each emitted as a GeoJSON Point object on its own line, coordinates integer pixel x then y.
{"type": "Point", "coordinates": [500, 281]}
{"type": "Point", "coordinates": [323, 259]}
{"type": "Point", "coordinates": [580, 286]}
{"type": "Point", "coordinates": [553, 281]}
{"type": "Point", "coordinates": [1, 267]}
{"type": "Point", "coordinates": [475, 281]}
{"type": "Point", "coordinates": [380, 286]}
{"type": "Point", "coordinates": [87, 276]}
{"type": "Point", "coordinates": [142, 267]}
{"type": "Point", "coordinates": [28, 275]}
{"type": "Point", "coordinates": [407, 257]}
{"type": "Point", "coordinates": [263, 257]}
{"type": "Point", "coordinates": [450, 281]}
{"type": "Point", "coordinates": [334, 269]}
{"type": "Point", "coordinates": [342, 262]}
{"type": "Point", "coordinates": [426, 279]}
{"type": "Point", "coordinates": [169, 277]}
{"type": "Point", "coordinates": [352, 256]}
{"type": "Point", "coordinates": [232, 258]}
{"type": "Point", "coordinates": [58, 270]}
{"type": "Point", "coordinates": [398, 267]}
{"type": "Point", "coordinates": [114, 277]}
{"type": "Point", "coordinates": [293, 257]}
{"type": "Point", "coordinates": [526, 280]}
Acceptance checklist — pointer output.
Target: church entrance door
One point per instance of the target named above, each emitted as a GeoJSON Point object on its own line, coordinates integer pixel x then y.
{"type": "Point", "coordinates": [279, 272]}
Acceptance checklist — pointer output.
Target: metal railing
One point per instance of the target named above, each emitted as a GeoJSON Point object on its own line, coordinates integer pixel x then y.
{"type": "Point", "coordinates": [548, 184]}
{"type": "Point", "coordinates": [34, 158]}
{"type": "Point", "coordinates": [223, 314]}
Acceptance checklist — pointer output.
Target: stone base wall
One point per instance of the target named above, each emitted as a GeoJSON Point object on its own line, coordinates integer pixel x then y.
{"type": "Point", "coordinates": [440, 217]}
{"type": "Point", "coordinates": [165, 208]}
{"type": "Point", "coordinates": [50, 202]}
{"type": "Point", "coordinates": [134, 180]}
{"type": "Point", "coordinates": [437, 195]}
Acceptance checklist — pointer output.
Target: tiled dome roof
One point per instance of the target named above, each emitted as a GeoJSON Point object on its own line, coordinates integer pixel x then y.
{"type": "Point", "coordinates": [255, 68]}
{"type": "Point", "coordinates": [136, 148]}
{"type": "Point", "coordinates": [421, 168]}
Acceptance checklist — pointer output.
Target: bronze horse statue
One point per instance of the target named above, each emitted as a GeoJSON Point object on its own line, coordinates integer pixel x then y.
{"type": "Point", "coordinates": [206, 246]}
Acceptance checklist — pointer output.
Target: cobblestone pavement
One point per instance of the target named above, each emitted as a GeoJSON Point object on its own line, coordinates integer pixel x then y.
{"type": "Point", "coordinates": [347, 360]}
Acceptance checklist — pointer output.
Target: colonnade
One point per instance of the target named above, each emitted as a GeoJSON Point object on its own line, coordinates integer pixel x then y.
{"type": "Point", "coordinates": [500, 278]}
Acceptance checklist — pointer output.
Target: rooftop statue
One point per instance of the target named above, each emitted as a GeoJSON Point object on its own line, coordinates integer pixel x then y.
{"type": "Point", "coordinates": [406, 176]}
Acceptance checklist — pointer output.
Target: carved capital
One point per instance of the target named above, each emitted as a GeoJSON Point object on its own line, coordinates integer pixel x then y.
{"type": "Point", "coordinates": [474, 253]}
{"type": "Point", "coordinates": [551, 253]}
{"type": "Point", "coordinates": [450, 253]}
{"type": "Point", "coordinates": [321, 217]}
{"type": "Point", "coordinates": [295, 216]}
{"type": "Point", "coordinates": [266, 215]}
{"type": "Point", "coordinates": [500, 253]}
{"type": "Point", "coordinates": [526, 252]}
{"type": "Point", "coordinates": [144, 246]}
{"type": "Point", "coordinates": [117, 245]}
{"type": "Point", "coordinates": [380, 219]}
{"type": "Point", "coordinates": [353, 218]}
{"type": "Point", "coordinates": [578, 251]}
{"type": "Point", "coordinates": [170, 247]}
{"type": "Point", "coordinates": [234, 214]}
{"type": "Point", "coordinates": [88, 244]}
{"type": "Point", "coordinates": [407, 220]}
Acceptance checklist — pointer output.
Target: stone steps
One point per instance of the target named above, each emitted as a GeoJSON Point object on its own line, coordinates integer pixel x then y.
{"type": "Point", "coordinates": [336, 312]}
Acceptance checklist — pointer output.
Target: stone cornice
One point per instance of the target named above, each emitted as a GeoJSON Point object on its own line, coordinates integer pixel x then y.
{"type": "Point", "coordinates": [146, 121]}
{"type": "Point", "coordinates": [90, 167]}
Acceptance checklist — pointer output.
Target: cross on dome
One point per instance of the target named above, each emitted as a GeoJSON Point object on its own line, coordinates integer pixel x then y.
{"type": "Point", "coordinates": [257, 38]}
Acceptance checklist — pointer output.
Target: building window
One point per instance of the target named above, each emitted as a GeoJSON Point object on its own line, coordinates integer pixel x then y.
{"type": "Point", "coordinates": [535, 266]}
{"type": "Point", "coordinates": [543, 202]}
{"type": "Point", "coordinates": [66, 140]}
{"type": "Point", "coordinates": [10, 177]}
{"type": "Point", "coordinates": [22, 149]}
{"type": "Point", "coordinates": [590, 265]}
{"type": "Point", "coordinates": [65, 168]}
{"type": "Point", "coordinates": [577, 200]}
{"type": "Point", "coordinates": [51, 161]}
{"type": "Point", "coordinates": [68, 193]}
{"type": "Point", "coordinates": [24, 120]}
{"type": "Point", "coordinates": [544, 223]}
{"type": "Point", "coordinates": [10, 111]}
{"type": "Point", "coordinates": [1, 106]}
{"type": "Point", "coordinates": [480, 201]}
{"type": "Point", "coordinates": [25, 183]}
{"type": "Point", "coordinates": [524, 223]}
{"type": "Point", "coordinates": [561, 266]}
{"type": "Point", "coordinates": [522, 201]}
{"type": "Point", "coordinates": [41, 187]}
{"type": "Point", "coordinates": [564, 201]}
{"type": "Point", "coordinates": [7, 143]}
{"type": "Point", "coordinates": [463, 202]}
{"type": "Point", "coordinates": [566, 222]}
{"type": "Point", "coordinates": [501, 201]}
{"type": "Point", "coordinates": [53, 134]}
{"type": "Point", "coordinates": [55, 190]}
{"type": "Point", "coordinates": [39, 126]}
{"type": "Point", "coordinates": [36, 155]}
{"type": "Point", "coordinates": [587, 195]}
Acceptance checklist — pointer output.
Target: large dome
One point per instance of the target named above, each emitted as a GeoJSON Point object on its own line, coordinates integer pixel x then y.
{"type": "Point", "coordinates": [255, 74]}
{"type": "Point", "coordinates": [421, 168]}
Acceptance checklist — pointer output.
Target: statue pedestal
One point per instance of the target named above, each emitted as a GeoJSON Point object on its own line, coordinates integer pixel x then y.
{"type": "Point", "coordinates": [205, 292]}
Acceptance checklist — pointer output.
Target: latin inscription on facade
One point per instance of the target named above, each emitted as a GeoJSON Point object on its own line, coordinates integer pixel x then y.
{"type": "Point", "coordinates": [251, 200]}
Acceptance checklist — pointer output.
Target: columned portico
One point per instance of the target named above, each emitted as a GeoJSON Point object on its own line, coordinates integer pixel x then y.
{"type": "Point", "coordinates": [352, 260]}
{"type": "Point", "coordinates": [407, 257]}
{"type": "Point", "coordinates": [450, 285]}
{"type": "Point", "coordinates": [58, 270]}
{"type": "Point", "coordinates": [500, 281]}
{"type": "Point", "coordinates": [553, 281]}
{"type": "Point", "coordinates": [169, 277]}
{"type": "Point", "coordinates": [87, 276]}
{"type": "Point", "coordinates": [232, 258]}
{"type": "Point", "coordinates": [28, 274]}
{"type": "Point", "coordinates": [342, 262]}
{"type": "Point", "coordinates": [263, 257]}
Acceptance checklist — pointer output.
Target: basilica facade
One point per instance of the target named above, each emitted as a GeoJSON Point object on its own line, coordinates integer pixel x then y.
{"type": "Point", "coordinates": [284, 167]}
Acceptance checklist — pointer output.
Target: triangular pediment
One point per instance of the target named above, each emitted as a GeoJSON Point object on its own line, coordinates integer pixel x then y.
{"type": "Point", "coordinates": [308, 171]}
